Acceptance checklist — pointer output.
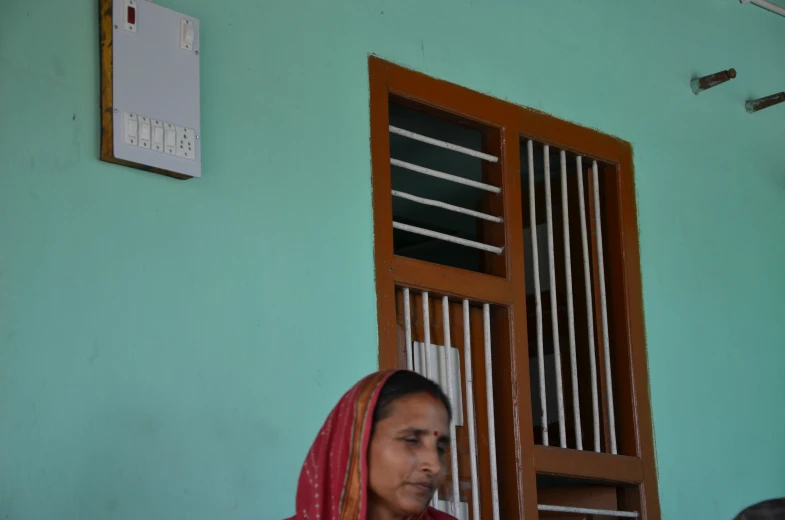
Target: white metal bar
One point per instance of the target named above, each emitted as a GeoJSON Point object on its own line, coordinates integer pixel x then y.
{"type": "Point", "coordinates": [576, 404]}
{"type": "Point", "coordinates": [774, 8]}
{"type": "Point", "coordinates": [447, 238]}
{"type": "Point", "coordinates": [444, 205]}
{"type": "Point", "coordinates": [537, 294]}
{"type": "Point", "coordinates": [427, 338]}
{"type": "Point", "coordinates": [443, 144]}
{"type": "Point", "coordinates": [595, 402]}
{"type": "Point", "coordinates": [604, 309]}
{"type": "Point", "coordinates": [408, 330]}
{"type": "Point", "coordinates": [467, 365]}
{"type": "Point", "coordinates": [486, 318]}
{"type": "Point", "coordinates": [450, 384]}
{"type": "Point", "coordinates": [445, 176]}
{"type": "Point", "coordinates": [554, 308]}
{"type": "Point", "coordinates": [426, 319]}
{"type": "Point", "coordinates": [588, 511]}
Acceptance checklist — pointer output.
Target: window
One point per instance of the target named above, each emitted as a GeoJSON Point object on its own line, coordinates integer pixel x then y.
{"type": "Point", "coordinates": [506, 242]}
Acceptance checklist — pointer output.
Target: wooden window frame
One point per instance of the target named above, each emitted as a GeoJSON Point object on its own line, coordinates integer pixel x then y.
{"type": "Point", "coordinates": [506, 286]}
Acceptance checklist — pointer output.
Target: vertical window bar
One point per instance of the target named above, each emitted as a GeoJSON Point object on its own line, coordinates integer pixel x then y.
{"type": "Point", "coordinates": [604, 308]}
{"type": "Point", "coordinates": [576, 405]}
{"type": "Point", "coordinates": [426, 318]}
{"type": "Point", "coordinates": [467, 360]}
{"type": "Point", "coordinates": [408, 329]}
{"type": "Point", "coordinates": [537, 294]}
{"type": "Point", "coordinates": [554, 308]}
{"type": "Point", "coordinates": [595, 406]}
{"type": "Point", "coordinates": [486, 318]}
{"type": "Point", "coordinates": [450, 382]}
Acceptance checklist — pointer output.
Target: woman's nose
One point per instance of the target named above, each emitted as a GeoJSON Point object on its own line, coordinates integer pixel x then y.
{"type": "Point", "coordinates": [430, 460]}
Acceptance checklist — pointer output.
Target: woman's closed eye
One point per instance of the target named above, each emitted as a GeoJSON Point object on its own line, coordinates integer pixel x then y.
{"type": "Point", "coordinates": [415, 441]}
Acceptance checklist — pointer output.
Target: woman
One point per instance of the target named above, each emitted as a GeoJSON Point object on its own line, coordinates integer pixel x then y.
{"type": "Point", "coordinates": [381, 453]}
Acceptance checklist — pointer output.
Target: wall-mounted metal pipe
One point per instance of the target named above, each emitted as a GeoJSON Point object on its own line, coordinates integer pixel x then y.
{"type": "Point", "coordinates": [712, 80]}
{"type": "Point", "coordinates": [766, 5]}
{"type": "Point", "coordinates": [754, 105]}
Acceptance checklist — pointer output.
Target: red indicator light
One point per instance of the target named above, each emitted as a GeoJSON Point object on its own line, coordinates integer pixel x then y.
{"type": "Point", "coordinates": [131, 15]}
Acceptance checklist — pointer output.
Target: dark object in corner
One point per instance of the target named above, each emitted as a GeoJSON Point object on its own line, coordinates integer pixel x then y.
{"type": "Point", "coordinates": [767, 510]}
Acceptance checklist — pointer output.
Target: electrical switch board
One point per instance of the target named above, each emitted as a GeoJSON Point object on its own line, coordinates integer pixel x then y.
{"type": "Point", "coordinates": [150, 117]}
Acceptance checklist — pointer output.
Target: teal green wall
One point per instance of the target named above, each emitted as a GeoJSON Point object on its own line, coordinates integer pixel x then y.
{"type": "Point", "coordinates": [168, 349]}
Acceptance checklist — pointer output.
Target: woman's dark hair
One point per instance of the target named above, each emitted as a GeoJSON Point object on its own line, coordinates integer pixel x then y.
{"type": "Point", "coordinates": [404, 383]}
{"type": "Point", "coordinates": [773, 509]}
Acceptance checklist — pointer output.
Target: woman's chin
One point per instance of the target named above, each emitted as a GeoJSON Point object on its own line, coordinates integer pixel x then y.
{"type": "Point", "coordinates": [414, 506]}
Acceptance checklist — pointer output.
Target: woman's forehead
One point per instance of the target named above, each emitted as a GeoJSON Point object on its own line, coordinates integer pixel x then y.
{"type": "Point", "coordinates": [418, 408]}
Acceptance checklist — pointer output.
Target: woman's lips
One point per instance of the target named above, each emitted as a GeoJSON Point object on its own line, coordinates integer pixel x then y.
{"type": "Point", "coordinates": [423, 487]}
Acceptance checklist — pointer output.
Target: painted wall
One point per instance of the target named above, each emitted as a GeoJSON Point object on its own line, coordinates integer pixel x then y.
{"type": "Point", "coordinates": [168, 349]}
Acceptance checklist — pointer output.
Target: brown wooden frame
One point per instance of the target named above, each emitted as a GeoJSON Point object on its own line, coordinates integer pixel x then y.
{"type": "Point", "coordinates": [506, 285]}
{"type": "Point", "coordinates": [106, 33]}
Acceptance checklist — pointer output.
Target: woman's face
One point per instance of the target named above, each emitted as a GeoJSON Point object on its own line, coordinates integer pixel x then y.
{"type": "Point", "coordinates": [407, 457]}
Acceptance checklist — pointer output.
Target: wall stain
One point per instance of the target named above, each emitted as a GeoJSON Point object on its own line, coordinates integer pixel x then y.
{"type": "Point", "coordinates": [57, 63]}
{"type": "Point", "coordinates": [95, 353]}
{"type": "Point", "coordinates": [35, 415]}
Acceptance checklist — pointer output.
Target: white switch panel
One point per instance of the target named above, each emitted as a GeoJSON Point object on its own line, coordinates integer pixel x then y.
{"type": "Point", "coordinates": [186, 34]}
{"type": "Point", "coordinates": [158, 136]}
{"type": "Point", "coordinates": [131, 128]}
{"type": "Point", "coordinates": [145, 132]}
{"type": "Point", "coordinates": [155, 86]}
{"type": "Point", "coordinates": [170, 138]}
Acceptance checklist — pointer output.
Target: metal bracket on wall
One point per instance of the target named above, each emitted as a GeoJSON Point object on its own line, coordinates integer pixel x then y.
{"type": "Point", "coordinates": [765, 4]}
{"type": "Point", "coordinates": [754, 105]}
{"type": "Point", "coordinates": [712, 80]}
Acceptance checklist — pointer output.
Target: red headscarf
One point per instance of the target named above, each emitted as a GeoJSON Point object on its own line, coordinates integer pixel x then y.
{"type": "Point", "coordinates": [334, 478]}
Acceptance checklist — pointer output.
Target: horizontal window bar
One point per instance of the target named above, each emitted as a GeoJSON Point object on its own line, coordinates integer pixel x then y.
{"type": "Point", "coordinates": [587, 511]}
{"type": "Point", "coordinates": [447, 238]}
{"type": "Point", "coordinates": [445, 176]}
{"type": "Point", "coordinates": [588, 464]}
{"type": "Point", "coordinates": [443, 144]}
{"type": "Point", "coordinates": [444, 205]}
{"type": "Point", "coordinates": [451, 281]}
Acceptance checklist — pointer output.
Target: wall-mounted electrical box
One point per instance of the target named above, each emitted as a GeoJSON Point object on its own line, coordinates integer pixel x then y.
{"type": "Point", "coordinates": [150, 88]}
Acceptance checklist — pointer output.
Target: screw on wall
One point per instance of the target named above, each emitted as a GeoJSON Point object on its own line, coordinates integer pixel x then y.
{"type": "Point", "coordinates": [754, 105]}
{"type": "Point", "coordinates": [712, 80]}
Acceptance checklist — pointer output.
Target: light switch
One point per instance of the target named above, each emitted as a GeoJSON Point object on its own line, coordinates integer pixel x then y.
{"type": "Point", "coordinates": [158, 136]}
{"type": "Point", "coordinates": [186, 34]}
{"type": "Point", "coordinates": [130, 15]}
{"type": "Point", "coordinates": [170, 138]}
{"type": "Point", "coordinates": [185, 143]}
{"type": "Point", "coordinates": [131, 128]}
{"type": "Point", "coordinates": [144, 132]}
